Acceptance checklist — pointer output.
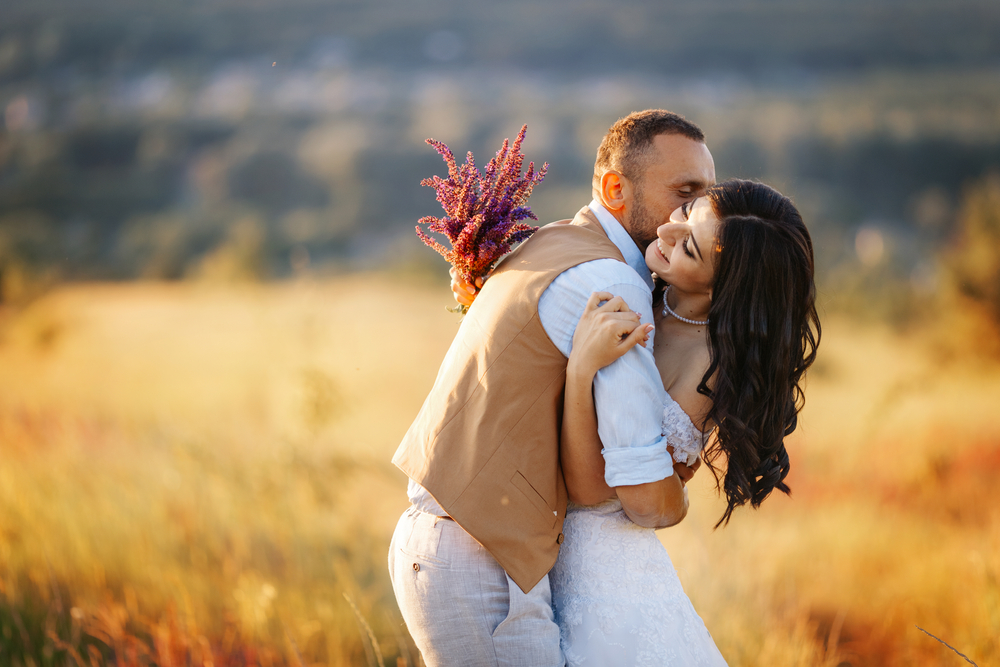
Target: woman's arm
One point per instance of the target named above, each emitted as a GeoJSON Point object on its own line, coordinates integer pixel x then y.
{"type": "Point", "coordinates": [580, 449]}
{"type": "Point", "coordinates": [604, 334]}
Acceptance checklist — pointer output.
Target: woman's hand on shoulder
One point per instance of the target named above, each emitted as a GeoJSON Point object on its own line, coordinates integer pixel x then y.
{"type": "Point", "coordinates": [464, 291]}
{"type": "Point", "coordinates": [606, 331]}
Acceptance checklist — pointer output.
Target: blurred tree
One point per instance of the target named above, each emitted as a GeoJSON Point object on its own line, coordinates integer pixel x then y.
{"type": "Point", "coordinates": [28, 243]}
{"type": "Point", "coordinates": [275, 182]}
{"type": "Point", "coordinates": [973, 262]}
{"type": "Point", "coordinates": [240, 257]}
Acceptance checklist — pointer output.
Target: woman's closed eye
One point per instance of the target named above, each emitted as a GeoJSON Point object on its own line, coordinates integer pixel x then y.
{"type": "Point", "coordinates": [686, 209]}
{"type": "Point", "coordinates": [687, 250]}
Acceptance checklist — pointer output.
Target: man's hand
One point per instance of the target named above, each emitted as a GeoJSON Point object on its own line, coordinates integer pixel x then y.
{"type": "Point", "coordinates": [465, 292]}
{"type": "Point", "coordinates": [684, 472]}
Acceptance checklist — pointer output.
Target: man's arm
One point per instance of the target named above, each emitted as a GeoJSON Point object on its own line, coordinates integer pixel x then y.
{"type": "Point", "coordinates": [628, 394]}
{"type": "Point", "coordinates": [605, 332]}
{"type": "Point", "coordinates": [655, 504]}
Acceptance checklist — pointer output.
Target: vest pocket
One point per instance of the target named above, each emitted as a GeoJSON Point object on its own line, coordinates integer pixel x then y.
{"type": "Point", "coordinates": [536, 499]}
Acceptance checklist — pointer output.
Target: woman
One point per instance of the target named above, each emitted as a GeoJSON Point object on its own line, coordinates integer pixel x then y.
{"type": "Point", "coordinates": [736, 327]}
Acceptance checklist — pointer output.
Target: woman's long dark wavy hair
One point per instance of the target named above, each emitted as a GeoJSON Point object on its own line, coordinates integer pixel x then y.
{"type": "Point", "coordinates": [763, 333]}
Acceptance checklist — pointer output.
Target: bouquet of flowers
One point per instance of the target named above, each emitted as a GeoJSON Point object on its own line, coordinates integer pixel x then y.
{"type": "Point", "coordinates": [483, 211]}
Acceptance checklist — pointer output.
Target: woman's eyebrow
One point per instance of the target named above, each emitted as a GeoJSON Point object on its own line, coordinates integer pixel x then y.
{"type": "Point", "coordinates": [695, 242]}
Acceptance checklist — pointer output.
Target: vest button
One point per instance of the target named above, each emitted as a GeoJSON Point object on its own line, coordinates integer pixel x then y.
{"type": "Point", "coordinates": [559, 540]}
{"type": "Point", "coordinates": [416, 567]}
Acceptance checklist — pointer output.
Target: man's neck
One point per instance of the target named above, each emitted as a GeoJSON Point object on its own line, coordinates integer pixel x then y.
{"type": "Point", "coordinates": [633, 254]}
{"type": "Point", "coordinates": [619, 215]}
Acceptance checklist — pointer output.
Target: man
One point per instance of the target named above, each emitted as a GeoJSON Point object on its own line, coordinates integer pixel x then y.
{"type": "Point", "coordinates": [469, 560]}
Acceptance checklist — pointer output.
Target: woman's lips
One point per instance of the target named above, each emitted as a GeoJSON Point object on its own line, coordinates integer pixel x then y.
{"type": "Point", "coordinates": [659, 252]}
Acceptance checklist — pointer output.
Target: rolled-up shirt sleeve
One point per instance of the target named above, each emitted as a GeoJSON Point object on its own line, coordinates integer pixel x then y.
{"type": "Point", "coordinates": [628, 394]}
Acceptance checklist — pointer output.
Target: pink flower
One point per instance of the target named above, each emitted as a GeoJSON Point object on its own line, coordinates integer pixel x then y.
{"type": "Point", "coordinates": [483, 212]}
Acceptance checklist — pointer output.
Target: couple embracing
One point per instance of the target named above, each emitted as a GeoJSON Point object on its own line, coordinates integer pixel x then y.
{"type": "Point", "coordinates": [573, 406]}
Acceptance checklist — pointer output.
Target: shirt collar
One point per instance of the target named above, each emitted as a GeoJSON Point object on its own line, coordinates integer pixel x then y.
{"type": "Point", "coordinates": [633, 256]}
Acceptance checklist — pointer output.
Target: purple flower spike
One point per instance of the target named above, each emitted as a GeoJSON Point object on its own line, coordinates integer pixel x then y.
{"type": "Point", "coordinates": [483, 211]}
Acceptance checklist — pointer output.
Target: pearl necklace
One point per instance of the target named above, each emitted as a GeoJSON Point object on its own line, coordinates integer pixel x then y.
{"type": "Point", "coordinates": [667, 309]}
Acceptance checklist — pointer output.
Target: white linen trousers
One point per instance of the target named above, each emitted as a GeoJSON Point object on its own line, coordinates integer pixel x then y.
{"type": "Point", "coordinates": [460, 606]}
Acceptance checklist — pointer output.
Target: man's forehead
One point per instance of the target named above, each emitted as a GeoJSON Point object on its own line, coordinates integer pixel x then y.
{"type": "Point", "coordinates": [679, 143]}
{"type": "Point", "coordinates": [686, 161]}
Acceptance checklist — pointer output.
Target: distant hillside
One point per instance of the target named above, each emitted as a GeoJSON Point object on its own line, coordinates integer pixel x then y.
{"type": "Point", "coordinates": [662, 36]}
{"type": "Point", "coordinates": [262, 138]}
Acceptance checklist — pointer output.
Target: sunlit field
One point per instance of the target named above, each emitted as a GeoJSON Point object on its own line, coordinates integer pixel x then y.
{"type": "Point", "coordinates": [195, 474]}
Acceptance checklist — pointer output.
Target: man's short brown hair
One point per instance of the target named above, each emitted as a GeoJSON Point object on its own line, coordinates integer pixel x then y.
{"type": "Point", "coordinates": [627, 144]}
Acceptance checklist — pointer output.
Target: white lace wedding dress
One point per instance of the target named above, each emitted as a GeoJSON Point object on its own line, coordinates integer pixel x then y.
{"type": "Point", "coordinates": [617, 598]}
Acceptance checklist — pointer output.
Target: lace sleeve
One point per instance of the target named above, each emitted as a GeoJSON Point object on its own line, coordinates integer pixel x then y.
{"type": "Point", "coordinates": [681, 433]}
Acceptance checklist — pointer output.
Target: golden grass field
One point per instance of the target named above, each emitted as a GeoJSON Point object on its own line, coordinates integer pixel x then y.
{"type": "Point", "coordinates": [194, 474]}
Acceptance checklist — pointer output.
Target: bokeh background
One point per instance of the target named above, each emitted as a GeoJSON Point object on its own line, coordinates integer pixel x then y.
{"type": "Point", "coordinates": [216, 321]}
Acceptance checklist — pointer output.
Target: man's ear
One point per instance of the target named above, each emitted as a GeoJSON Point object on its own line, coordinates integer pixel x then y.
{"type": "Point", "coordinates": [616, 191]}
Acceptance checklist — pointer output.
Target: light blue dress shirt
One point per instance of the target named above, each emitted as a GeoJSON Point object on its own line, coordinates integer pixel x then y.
{"type": "Point", "coordinates": [628, 394]}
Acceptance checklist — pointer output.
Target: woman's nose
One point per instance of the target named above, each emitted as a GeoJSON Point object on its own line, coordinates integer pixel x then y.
{"type": "Point", "coordinates": [668, 232]}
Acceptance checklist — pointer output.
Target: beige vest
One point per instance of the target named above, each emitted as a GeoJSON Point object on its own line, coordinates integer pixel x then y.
{"type": "Point", "coordinates": [486, 441]}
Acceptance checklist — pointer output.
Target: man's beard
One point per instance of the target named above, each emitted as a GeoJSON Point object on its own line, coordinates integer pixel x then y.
{"type": "Point", "coordinates": [639, 222]}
